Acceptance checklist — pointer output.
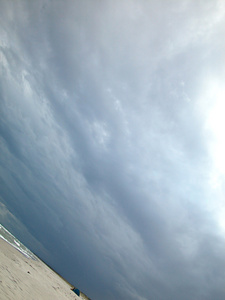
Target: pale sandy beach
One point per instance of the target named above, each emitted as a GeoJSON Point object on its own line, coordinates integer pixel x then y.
{"type": "Point", "coordinates": [23, 278]}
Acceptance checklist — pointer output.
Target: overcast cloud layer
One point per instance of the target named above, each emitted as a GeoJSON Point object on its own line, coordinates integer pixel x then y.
{"type": "Point", "coordinates": [112, 144]}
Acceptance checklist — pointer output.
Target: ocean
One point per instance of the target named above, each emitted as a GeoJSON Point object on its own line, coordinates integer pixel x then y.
{"type": "Point", "coordinates": [12, 240]}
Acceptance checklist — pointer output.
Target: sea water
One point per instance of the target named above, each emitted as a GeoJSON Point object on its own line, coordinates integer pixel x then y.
{"type": "Point", "coordinates": [12, 240]}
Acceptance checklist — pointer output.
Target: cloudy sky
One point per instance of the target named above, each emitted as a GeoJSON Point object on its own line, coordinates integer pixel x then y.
{"type": "Point", "coordinates": [112, 146]}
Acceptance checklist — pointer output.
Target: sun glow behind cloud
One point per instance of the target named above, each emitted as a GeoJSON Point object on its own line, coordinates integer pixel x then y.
{"type": "Point", "coordinates": [215, 125]}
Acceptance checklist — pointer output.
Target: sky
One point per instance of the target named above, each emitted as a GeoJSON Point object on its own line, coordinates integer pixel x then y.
{"type": "Point", "coordinates": [112, 165]}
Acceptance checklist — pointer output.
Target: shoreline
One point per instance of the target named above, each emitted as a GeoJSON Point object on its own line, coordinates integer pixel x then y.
{"type": "Point", "coordinates": [22, 277]}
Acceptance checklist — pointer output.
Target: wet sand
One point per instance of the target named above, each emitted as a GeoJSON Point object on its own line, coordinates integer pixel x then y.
{"type": "Point", "coordinates": [22, 278]}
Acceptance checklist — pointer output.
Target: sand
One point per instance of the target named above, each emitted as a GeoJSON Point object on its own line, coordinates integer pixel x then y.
{"type": "Point", "coordinates": [22, 278]}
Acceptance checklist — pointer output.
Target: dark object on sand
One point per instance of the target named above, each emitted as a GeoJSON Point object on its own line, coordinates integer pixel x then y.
{"type": "Point", "coordinates": [76, 291]}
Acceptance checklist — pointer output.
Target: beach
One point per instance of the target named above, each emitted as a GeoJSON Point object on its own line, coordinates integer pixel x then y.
{"type": "Point", "coordinates": [24, 278]}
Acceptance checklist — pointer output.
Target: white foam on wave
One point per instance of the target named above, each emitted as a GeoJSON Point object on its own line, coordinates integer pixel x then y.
{"type": "Point", "coordinates": [17, 243]}
{"type": "Point", "coordinates": [16, 247]}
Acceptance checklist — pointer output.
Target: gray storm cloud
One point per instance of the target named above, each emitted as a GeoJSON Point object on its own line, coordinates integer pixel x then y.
{"type": "Point", "coordinates": [107, 166]}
